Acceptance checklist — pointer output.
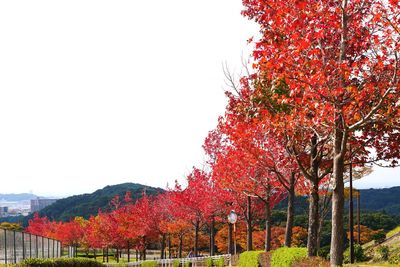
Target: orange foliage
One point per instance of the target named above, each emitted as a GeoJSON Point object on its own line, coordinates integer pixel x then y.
{"type": "Point", "coordinates": [366, 234]}
{"type": "Point", "coordinates": [299, 237]}
{"type": "Point", "coordinates": [221, 238]}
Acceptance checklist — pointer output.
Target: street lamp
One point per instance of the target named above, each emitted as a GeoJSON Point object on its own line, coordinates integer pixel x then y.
{"type": "Point", "coordinates": [232, 218]}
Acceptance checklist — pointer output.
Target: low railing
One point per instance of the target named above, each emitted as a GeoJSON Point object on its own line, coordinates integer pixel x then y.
{"type": "Point", "coordinates": [195, 261]}
{"type": "Point", "coordinates": [16, 246]}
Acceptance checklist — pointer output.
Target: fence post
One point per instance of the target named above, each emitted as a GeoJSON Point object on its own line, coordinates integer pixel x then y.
{"type": "Point", "coordinates": [30, 245]}
{"type": "Point", "coordinates": [15, 248]}
{"type": "Point", "coordinates": [23, 245]}
{"type": "Point", "coordinates": [37, 246]}
{"type": "Point", "coordinates": [42, 247]}
{"type": "Point", "coordinates": [5, 246]}
{"type": "Point", "coordinates": [48, 247]}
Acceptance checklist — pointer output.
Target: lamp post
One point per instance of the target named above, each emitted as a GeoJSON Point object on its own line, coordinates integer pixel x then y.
{"type": "Point", "coordinates": [232, 218]}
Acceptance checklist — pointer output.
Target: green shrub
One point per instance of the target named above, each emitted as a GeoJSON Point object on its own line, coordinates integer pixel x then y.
{"type": "Point", "coordinates": [383, 252]}
{"type": "Point", "coordinates": [358, 254]}
{"type": "Point", "coordinates": [379, 237]}
{"type": "Point", "coordinates": [176, 263]}
{"type": "Point", "coordinates": [60, 263]}
{"type": "Point", "coordinates": [38, 263]}
{"type": "Point", "coordinates": [284, 257]}
{"type": "Point", "coordinates": [324, 251]}
{"type": "Point", "coordinates": [149, 264]}
{"type": "Point", "coordinates": [220, 262]}
{"type": "Point", "coordinates": [249, 259]}
{"type": "Point", "coordinates": [187, 264]}
{"type": "Point", "coordinates": [209, 262]}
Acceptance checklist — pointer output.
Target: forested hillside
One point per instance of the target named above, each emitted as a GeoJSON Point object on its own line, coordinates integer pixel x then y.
{"type": "Point", "coordinates": [89, 204]}
{"type": "Point", "coordinates": [385, 200]}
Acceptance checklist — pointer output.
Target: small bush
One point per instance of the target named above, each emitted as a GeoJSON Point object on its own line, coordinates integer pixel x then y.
{"type": "Point", "coordinates": [285, 257]}
{"type": "Point", "coordinates": [187, 264]}
{"type": "Point", "coordinates": [149, 264]}
{"type": "Point", "coordinates": [60, 263]}
{"type": "Point", "coordinates": [383, 252]}
{"type": "Point", "coordinates": [249, 259]}
{"type": "Point", "coordinates": [209, 262]}
{"type": "Point", "coordinates": [379, 237]}
{"type": "Point", "coordinates": [176, 263]}
{"type": "Point", "coordinates": [358, 254]}
{"type": "Point", "coordinates": [324, 252]}
{"type": "Point", "coordinates": [220, 262]}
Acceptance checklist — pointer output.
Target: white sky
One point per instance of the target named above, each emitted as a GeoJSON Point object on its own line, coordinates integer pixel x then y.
{"type": "Point", "coordinates": [98, 92]}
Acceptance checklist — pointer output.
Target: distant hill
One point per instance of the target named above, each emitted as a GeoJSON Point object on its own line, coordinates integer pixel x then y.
{"type": "Point", "coordinates": [17, 197]}
{"type": "Point", "coordinates": [385, 199]}
{"type": "Point", "coordinates": [89, 204]}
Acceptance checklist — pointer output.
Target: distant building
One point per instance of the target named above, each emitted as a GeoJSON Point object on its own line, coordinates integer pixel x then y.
{"type": "Point", "coordinates": [40, 203]}
{"type": "Point", "coordinates": [3, 211]}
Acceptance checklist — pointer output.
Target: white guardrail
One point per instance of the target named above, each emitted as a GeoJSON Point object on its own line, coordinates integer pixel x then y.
{"type": "Point", "coordinates": [195, 261]}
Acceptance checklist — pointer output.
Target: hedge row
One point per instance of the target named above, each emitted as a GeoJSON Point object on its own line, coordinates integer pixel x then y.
{"type": "Point", "coordinates": [62, 262]}
{"type": "Point", "coordinates": [249, 258]}
{"type": "Point", "coordinates": [282, 257]}
{"type": "Point", "coordinates": [74, 262]}
{"type": "Point", "coordinates": [285, 257]}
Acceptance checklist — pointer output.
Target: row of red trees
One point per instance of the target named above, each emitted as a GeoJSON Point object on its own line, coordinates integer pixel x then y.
{"type": "Point", "coordinates": [323, 93]}
{"type": "Point", "coordinates": [180, 219]}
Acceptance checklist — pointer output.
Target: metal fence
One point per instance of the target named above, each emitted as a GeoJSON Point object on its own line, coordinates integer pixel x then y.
{"type": "Point", "coordinates": [195, 261]}
{"type": "Point", "coordinates": [16, 246]}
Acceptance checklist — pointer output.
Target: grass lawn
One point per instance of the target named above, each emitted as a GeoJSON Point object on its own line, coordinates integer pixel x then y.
{"type": "Point", "coordinates": [393, 232]}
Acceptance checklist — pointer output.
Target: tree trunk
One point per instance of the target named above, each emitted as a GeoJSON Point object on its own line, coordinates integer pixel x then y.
{"type": "Point", "coordinates": [319, 233]}
{"type": "Point", "coordinates": [169, 246]}
{"type": "Point", "coordinates": [129, 251]}
{"type": "Point", "coordinates": [290, 212]}
{"type": "Point", "coordinates": [107, 254]}
{"type": "Point", "coordinates": [313, 211]}
{"type": "Point", "coordinates": [268, 223]}
{"type": "Point", "coordinates": [313, 219]}
{"type": "Point", "coordinates": [137, 255]}
{"type": "Point", "coordinates": [249, 224]}
{"type": "Point", "coordinates": [212, 237]}
{"type": "Point", "coordinates": [180, 245]}
{"type": "Point", "coordinates": [358, 219]}
{"type": "Point", "coordinates": [196, 238]}
{"type": "Point", "coordinates": [163, 246]}
{"type": "Point", "coordinates": [337, 244]}
{"type": "Point", "coordinates": [144, 248]}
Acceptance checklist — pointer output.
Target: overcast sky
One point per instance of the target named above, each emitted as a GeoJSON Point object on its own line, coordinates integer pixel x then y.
{"type": "Point", "coordinates": [94, 93]}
